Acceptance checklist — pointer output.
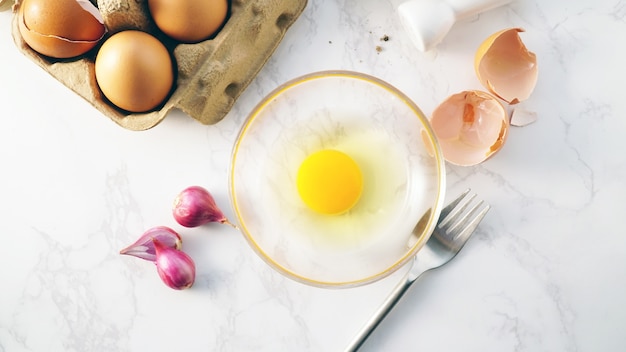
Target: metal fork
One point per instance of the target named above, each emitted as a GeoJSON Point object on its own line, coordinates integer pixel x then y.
{"type": "Point", "coordinates": [454, 228]}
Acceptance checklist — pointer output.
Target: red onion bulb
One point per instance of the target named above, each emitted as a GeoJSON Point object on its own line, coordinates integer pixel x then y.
{"type": "Point", "coordinates": [144, 246]}
{"type": "Point", "coordinates": [195, 206]}
{"type": "Point", "coordinates": [176, 269]}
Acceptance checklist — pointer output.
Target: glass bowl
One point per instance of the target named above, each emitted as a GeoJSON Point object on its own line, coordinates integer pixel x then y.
{"type": "Point", "coordinates": [401, 164]}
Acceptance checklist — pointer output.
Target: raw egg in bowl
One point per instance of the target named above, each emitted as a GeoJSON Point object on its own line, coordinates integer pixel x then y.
{"type": "Point", "coordinates": [330, 174]}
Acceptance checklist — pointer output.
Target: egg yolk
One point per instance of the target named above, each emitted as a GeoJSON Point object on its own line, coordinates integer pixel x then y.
{"type": "Point", "coordinates": [329, 182]}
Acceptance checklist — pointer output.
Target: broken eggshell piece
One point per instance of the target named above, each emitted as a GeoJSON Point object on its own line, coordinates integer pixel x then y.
{"type": "Point", "coordinates": [522, 117]}
{"type": "Point", "coordinates": [470, 127]}
{"type": "Point", "coordinates": [505, 67]}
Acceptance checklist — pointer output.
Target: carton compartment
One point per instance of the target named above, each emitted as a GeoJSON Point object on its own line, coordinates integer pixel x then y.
{"type": "Point", "coordinates": [210, 74]}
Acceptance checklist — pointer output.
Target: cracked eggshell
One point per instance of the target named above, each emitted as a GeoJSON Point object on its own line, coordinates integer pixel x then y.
{"type": "Point", "coordinates": [61, 28]}
{"type": "Point", "coordinates": [522, 117]}
{"type": "Point", "coordinates": [505, 67]}
{"type": "Point", "coordinates": [470, 126]}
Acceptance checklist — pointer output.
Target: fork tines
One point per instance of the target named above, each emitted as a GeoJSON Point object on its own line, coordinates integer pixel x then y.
{"type": "Point", "coordinates": [455, 216]}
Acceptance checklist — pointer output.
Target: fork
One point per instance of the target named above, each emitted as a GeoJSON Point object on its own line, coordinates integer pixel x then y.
{"type": "Point", "coordinates": [454, 228]}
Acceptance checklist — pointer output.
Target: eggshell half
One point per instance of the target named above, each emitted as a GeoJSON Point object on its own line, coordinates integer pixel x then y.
{"type": "Point", "coordinates": [470, 126]}
{"type": "Point", "coordinates": [505, 67]}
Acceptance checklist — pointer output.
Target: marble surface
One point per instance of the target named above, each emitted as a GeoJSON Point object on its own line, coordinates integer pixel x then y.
{"type": "Point", "coordinates": [546, 271]}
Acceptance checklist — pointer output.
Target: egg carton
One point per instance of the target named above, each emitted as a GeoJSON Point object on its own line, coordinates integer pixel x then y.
{"type": "Point", "coordinates": [211, 74]}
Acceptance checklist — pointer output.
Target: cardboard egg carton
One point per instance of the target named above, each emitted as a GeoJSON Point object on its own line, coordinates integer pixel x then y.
{"type": "Point", "coordinates": [211, 74]}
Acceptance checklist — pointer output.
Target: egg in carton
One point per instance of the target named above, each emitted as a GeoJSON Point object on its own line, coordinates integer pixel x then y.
{"type": "Point", "coordinates": [210, 75]}
{"type": "Point", "coordinates": [5, 4]}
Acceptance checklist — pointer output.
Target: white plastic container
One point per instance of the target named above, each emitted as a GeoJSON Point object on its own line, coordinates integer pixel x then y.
{"type": "Point", "coordinates": [428, 21]}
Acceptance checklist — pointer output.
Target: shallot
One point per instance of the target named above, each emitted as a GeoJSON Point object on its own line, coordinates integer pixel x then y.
{"type": "Point", "coordinates": [176, 269]}
{"type": "Point", "coordinates": [144, 247]}
{"type": "Point", "coordinates": [195, 206]}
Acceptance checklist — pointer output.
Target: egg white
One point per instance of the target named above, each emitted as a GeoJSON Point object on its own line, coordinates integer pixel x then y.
{"type": "Point", "coordinates": [385, 187]}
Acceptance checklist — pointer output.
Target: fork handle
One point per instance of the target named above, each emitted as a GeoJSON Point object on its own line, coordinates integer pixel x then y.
{"type": "Point", "coordinates": [381, 313]}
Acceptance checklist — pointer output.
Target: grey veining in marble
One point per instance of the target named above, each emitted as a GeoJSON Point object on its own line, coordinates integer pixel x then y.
{"type": "Point", "coordinates": [546, 270]}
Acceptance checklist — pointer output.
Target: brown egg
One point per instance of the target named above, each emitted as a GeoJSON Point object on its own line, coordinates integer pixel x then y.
{"type": "Point", "coordinates": [470, 127]}
{"type": "Point", "coordinates": [189, 21]}
{"type": "Point", "coordinates": [134, 71]}
{"type": "Point", "coordinates": [60, 28]}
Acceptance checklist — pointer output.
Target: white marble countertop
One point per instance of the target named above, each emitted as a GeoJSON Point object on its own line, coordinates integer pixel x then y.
{"type": "Point", "coordinates": [546, 271]}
